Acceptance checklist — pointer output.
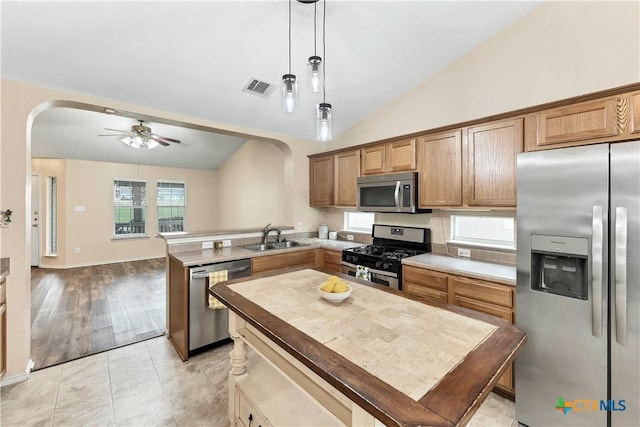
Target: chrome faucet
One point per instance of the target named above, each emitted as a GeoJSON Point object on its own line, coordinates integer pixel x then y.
{"type": "Point", "coordinates": [267, 230]}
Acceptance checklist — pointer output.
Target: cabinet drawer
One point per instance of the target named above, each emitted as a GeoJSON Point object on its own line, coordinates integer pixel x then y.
{"type": "Point", "coordinates": [424, 292]}
{"type": "Point", "coordinates": [426, 278]}
{"type": "Point", "coordinates": [484, 307]}
{"type": "Point", "coordinates": [290, 259]}
{"type": "Point", "coordinates": [483, 291]}
{"type": "Point", "coordinates": [248, 415]}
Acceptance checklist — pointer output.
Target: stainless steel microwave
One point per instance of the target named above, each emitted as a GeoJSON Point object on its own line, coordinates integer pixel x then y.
{"type": "Point", "coordinates": [394, 192]}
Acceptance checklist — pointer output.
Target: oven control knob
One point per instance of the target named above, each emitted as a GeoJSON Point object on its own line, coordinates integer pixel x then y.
{"type": "Point", "coordinates": [378, 264]}
{"type": "Point", "coordinates": [385, 266]}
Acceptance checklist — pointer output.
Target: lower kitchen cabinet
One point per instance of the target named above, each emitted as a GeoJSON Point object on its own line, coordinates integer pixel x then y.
{"type": "Point", "coordinates": [331, 260]}
{"type": "Point", "coordinates": [285, 260]}
{"type": "Point", "coordinates": [495, 299]}
{"type": "Point", "coordinates": [179, 307]}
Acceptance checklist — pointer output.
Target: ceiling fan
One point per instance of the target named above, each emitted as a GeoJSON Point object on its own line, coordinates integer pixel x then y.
{"type": "Point", "coordinates": [140, 136]}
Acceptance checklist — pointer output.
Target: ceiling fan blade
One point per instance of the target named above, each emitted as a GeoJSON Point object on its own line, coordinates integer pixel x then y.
{"type": "Point", "coordinates": [164, 144]}
{"type": "Point", "coordinates": [111, 134]}
{"type": "Point", "coordinates": [164, 139]}
{"type": "Point", "coordinates": [118, 130]}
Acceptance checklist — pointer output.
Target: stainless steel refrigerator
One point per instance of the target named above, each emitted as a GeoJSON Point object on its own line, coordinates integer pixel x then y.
{"type": "Point", "coordinates": [578, 285]}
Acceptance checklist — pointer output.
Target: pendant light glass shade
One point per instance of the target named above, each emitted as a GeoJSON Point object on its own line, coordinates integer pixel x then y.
{"type": "Point", "coordinates": [323, 122]}
{"type": "Point", "coordinates": [289, 93]}
{"type": "Point", "coordinates": [315, 74]}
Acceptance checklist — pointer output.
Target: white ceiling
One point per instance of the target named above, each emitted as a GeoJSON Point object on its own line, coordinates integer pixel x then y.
{"type": "Point", "coordinates": [193, 58]}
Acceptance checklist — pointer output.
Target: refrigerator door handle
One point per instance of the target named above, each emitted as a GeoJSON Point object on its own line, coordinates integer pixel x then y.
{"type": "Point", "coordinates": [621, 275]}
{"type": "Point", "coordinates": [596, 272]}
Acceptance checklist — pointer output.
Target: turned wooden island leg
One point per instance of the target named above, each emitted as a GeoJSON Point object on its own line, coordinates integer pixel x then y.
{"type": "Point", "coordinates": [238, 361]}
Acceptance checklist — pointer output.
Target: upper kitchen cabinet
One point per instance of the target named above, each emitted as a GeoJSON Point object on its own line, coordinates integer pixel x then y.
{"type": "Point", "coordinates": [490, 163]}
{"type": "Point", "coordinates": [440, 169]}
{"type": "Point", "coordinates": [574, 124]}
{"type": "Point", "coordinates": [396, 156]}
{"type": "Point", "coordinates": [321, 181]}
{"type": "Point", "coordinates": [634, 104]}
{"type": "Point", "coordinates": [347, 170]}
{"type": "Point", "coordinates": [332, 179]}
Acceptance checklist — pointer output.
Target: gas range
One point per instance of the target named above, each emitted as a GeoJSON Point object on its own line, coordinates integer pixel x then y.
{"type": "Point", "coordinates": [384, 257]}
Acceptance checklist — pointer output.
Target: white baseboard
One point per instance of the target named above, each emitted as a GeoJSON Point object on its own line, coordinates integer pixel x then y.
{"type": "Point", "coordinates": [20, 377]}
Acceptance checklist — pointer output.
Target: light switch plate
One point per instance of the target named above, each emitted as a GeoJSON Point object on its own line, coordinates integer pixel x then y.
{"type": "Point", "coordinates": [349, 236]}
{"type": "Point", "coordinates": [464, 252]}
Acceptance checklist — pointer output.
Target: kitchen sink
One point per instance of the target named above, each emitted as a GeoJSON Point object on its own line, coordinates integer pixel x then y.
{"type": "Point", "coordinates": [275, 245]}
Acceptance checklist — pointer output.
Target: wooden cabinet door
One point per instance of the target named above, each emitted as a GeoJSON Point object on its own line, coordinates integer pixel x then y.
{"type": "Point", "coordinates": [440, 169]}
{"type": "Point", "coordinates": [332, 260]}
{"type": "Point", "coordinates": [321, 181]}
{"type": "Point", "coordinates": [401, 155]}
{"type": "Point", "coordinates": [374, 159]}
{"type": "Point", "coordinates": [179, 307]}
{"type": "Point", "coordinates": [635, 112]}
{"type": "Point", "coordinates": [3, 339]}
{"type": "Point", "coordinates": [347, 170]}
{"type": "Point", "coordinates": [425, 283]}
{"type": "Point", "coordinates": [286, 260]}
{"type": "Point", "coordinates": [583, 121]}
{"type": "Point", "coordinates": [490, 172]}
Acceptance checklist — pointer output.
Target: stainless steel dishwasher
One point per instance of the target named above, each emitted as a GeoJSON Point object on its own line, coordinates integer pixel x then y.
{"type": "Point", "coordinates": [207, 326]}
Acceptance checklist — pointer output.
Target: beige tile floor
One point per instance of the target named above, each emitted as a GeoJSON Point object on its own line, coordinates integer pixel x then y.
{"type": "Point", "coordinates": [146, 384]}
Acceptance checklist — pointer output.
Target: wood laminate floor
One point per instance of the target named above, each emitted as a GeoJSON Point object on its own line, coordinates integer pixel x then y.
{"type": "Point", "coordinates": [81, 311]}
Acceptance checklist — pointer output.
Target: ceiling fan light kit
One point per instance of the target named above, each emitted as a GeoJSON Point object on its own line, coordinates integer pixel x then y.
{"type": "Point", "coordinates": [141, 136]}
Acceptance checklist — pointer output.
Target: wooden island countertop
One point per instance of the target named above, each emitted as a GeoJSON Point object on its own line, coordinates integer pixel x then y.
{"type": "Point", "coordinates": [404, 361]}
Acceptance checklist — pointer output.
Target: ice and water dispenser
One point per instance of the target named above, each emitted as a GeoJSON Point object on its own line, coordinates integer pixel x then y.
{"type": "Point", "coordinates": [559, 265]}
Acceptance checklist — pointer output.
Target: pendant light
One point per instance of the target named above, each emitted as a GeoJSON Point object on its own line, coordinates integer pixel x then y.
{"type": "Point", "coordinates": [289, 82]}
{"type": "Point", "coordinates": [324, 131]}
{"type": "Point", "coordinates": [315, 62]}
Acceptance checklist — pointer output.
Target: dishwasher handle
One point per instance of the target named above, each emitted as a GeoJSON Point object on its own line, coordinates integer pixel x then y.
{"type": "Point", "coordinates": [201, 275]}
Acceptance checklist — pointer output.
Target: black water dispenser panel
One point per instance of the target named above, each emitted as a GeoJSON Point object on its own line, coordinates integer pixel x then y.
{"type": "Point", "coordinates": [559, 265]}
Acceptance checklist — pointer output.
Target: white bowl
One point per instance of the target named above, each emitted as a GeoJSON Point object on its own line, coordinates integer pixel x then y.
{"type": "Point", "coordinates": [334, 297]}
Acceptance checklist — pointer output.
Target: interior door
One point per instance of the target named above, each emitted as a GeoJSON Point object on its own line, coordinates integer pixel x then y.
{"type": "Point", "coordinates": [625, 283]}
{"type": "Point", "coordinates": [35, 220]}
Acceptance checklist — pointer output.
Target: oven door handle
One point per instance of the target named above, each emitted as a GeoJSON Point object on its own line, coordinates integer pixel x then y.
{"type": "Point", "coordinates": [373, 270]}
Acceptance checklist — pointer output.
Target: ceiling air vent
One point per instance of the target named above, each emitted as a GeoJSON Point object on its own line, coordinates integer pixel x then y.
{"type": "Point", "coordinates": [258, 87]}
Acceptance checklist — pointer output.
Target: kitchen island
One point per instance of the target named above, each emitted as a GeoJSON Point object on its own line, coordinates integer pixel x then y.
{"type": "Point", "coordinates": [377, 357]}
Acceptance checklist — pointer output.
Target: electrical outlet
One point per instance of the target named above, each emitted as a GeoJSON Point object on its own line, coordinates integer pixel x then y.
{"type": "Point", "coordinates": [226, 243]}
{"type": "Point", "coordinates": [464, 252]}
{"type": "Point", "coordinates": [80, 208]}
{"type": "Point", "coordinates": [349, 236]}
{"type": "Point", "coordinates": [299, 226]}
{"type": "Point", "coordinates": [76, 250]}
{"type": "Point", "coordinates": [207, 245]}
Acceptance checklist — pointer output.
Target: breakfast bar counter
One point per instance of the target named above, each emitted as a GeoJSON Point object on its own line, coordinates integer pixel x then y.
{"type": "Point", "coordinates": [376, 357]}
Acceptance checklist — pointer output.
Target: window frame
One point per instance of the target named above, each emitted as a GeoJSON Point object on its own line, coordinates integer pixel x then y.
{"type": "Point", "coordinates": [184, 206]}
{"type": "Point", "coordinates": [144, 207]}
{"type": "Point", "coordinates": [478, 241]}
{"type": "Point", "coordinates": [348, 227]}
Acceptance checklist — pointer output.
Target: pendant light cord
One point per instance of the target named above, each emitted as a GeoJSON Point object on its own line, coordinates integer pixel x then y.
{"type": "Point", "coordinates": [315, 32]}
{"type": "Point", "coordinates": [324, 51]}
{"type": "Point", "coordinates": [289, 36]}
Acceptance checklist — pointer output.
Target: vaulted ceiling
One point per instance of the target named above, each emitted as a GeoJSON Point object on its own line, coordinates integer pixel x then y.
{"type": "Point", "coordinates": [194, 57]}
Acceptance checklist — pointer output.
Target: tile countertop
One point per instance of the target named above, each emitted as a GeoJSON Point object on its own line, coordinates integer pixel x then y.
{"type": "Point", "coordinates": [211, 256]}
{"type": "Point", "coordinates": [501, 273]}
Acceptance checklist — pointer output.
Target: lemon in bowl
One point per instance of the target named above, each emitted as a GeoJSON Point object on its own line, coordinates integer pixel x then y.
{"type": "Point", "coordinates": [334, 289]}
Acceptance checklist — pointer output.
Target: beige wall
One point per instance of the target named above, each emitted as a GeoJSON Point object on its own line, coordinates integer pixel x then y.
{"type": "Point", "coordinates": [252, 181]}
{"type": "Point", "coordinates": [560, 50]}
{"type": "Point", "coordinates": [21, 103]}
{"type": "Point", "coordinates": [90, 184]}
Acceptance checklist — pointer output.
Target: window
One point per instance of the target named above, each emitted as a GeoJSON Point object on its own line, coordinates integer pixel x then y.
{"type": "Point", "coordinates": [171, 206]}
{"type": "Point", "coordinates": [51, 237]}
{"type": "Point", "coordinates": [493, 231]}
{"type": "Point", "coordinates": [358, 221]}
{"type": "Point", "coordinates": [130, 208]}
